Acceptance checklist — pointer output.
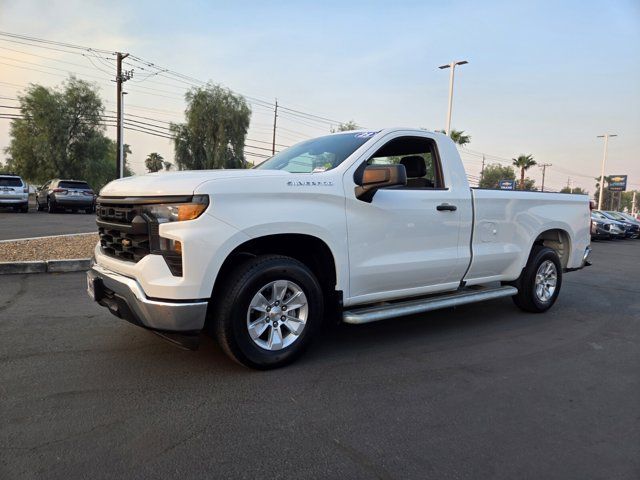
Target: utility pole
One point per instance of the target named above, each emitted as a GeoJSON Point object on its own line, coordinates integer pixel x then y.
{"type": "Point", "coordinates": [452, 66]}
{"type": "Point", "coordinates": [569, 185]}
{"type": "Point", "coordinates": [633, 204]}
{"type": "Point", "coordinates": [275, 120]}
{"type": "Point", "coordinates": [544, 171]}
{"type": "Point", "coordinates": [120, 79]}
{"type": "Point", "coordinates": [604, 160]}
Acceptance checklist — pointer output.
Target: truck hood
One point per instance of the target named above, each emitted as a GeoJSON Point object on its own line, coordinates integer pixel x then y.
{"type": "Point", "coordinates": [177, 183]}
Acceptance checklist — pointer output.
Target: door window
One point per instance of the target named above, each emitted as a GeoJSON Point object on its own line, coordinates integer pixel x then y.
{"type": "Point", "coordinates": [419, 157]}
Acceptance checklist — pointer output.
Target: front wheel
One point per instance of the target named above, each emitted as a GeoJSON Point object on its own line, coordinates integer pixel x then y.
{"type": "Point", "coordinates": [268, 312]}
{"type": "Point", "coordinates": [540, 281]}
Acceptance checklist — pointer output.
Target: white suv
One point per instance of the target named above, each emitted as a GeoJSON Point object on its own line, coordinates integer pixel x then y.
{"type": "Point", "coordinates": [14, 192]}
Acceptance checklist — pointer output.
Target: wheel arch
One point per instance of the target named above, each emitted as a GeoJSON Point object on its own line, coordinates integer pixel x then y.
{"type": "Point", "coordinates": [558, 240]}
{"type": "Point", "coordinates": [314, 252]}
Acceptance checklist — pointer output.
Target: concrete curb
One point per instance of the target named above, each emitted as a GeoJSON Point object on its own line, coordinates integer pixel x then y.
{"type": "Point", "coordinates": [46, 266]}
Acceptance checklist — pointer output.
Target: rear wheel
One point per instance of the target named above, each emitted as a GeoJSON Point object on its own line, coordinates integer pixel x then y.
{"type": "Point", "coordinates": [268, 311]}
{"type": "Point", "coordinates": [540, 281]}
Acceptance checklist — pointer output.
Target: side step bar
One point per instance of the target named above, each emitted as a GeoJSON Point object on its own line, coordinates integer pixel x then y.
{"type": "Point", "coordinates": [410, 307]}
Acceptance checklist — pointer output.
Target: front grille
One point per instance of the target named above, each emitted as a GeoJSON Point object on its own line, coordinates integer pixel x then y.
{"type": "Point", "coordinates": [124, 233]}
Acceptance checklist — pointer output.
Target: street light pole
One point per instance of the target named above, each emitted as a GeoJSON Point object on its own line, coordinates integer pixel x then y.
{"type": "Point", "coordinates": [452, 66]}
{"type": "Point", "coordinates": [604, 160]}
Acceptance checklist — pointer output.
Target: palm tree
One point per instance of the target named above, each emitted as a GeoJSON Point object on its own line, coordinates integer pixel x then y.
{"type": "Point", "coordinates": [524, 163]}
{"type": "Point", "coordinates": [154, 162]}
{"type": "Point", "coordinates": [458, 137]}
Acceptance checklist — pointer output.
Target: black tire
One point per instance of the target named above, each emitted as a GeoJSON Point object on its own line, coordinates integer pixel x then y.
{"type": "Point", "coordinates": [527, 299]}
{"type": "Point", "coordinates": [38, 206]}
{"type": "Point", "coordinates": [51, 207]}
{"type": "Point", "coordinates": [25, 209]}
{"type": "Point", "coordinates": [229, 321]}
{"type": "Point", "coordinates": [91, 209]}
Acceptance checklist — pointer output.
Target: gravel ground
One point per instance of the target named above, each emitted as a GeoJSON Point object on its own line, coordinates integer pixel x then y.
{"type": "Point", "coordinates": [75, 246]}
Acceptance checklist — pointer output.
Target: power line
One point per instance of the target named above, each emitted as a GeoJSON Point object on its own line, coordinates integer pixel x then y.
{"type": "Point", "coordinates": [50, 42]}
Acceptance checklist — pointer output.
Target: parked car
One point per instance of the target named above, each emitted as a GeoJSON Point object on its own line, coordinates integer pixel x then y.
{"type": "Point", "coordinates": [59, 195]}
{"type": "Point", "coordinates": [631, 230]}
{"type": "Point", "coordinates": [14, 192]}
{"type": "Point", "coordinates": [617, 229]}
{"type": "Point", "coordinates": [625, 217]}
{"type": "Point", "coordinates": [362, 226]}
{"type": "Point", "coordinates": [601, 229]}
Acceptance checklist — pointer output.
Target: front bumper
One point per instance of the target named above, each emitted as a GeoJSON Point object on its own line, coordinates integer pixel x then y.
{"type": "Point", "coordinates": [178, 321]}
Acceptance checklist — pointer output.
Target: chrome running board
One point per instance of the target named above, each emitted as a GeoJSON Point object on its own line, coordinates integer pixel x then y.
{"type": "Point", "coordinates": [368, 314]}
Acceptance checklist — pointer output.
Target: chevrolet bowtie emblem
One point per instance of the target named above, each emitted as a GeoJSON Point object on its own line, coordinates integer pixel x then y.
{"type": "Point", "coordinates": [126, 242]}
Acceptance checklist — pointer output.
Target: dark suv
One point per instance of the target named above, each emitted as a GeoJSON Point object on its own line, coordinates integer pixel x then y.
{"type": "Point", "coordinates": [66, 194]}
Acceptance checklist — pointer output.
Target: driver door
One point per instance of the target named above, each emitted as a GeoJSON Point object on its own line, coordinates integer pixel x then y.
{"type": "Point", "coordinates": [403, 242]}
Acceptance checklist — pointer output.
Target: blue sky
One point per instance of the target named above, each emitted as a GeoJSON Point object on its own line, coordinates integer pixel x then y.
{"type": "Point", "coordinates": [543, 77]}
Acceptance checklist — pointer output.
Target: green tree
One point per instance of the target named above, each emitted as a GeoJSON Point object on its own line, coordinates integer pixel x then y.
{"type": "Point", "coordinates": [458, 137]}
{"type": "Point", "coordinates": [214, 133]}
{"type": "Point", "coordinates": [345, 127]}
{"type": "Point", "coordinates": [495, 172]}
{"type": "Point", "coordinates": [154, 162]}
{"type": "Point", "coordinates": [110, 165]}
{"type": "Point", "coordinates": [607, 196]}
{"type": "Point", "coordinates": [524, 163]}
{"type": "Point", "coordinates": [529, 184]}
{"type": "Point", "coordinates": [61, 134]}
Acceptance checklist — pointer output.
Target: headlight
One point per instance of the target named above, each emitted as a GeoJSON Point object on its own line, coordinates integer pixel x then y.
{"type": "Point", "coordinates": [159, 213]}
{"type": "Point", "coordinates": [176, 212]}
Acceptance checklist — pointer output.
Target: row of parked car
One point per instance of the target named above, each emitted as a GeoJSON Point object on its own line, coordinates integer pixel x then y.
{"type": "Point", "coordinates": [56, 195]}
{"type": "Point", "coordinates": [606, 225]}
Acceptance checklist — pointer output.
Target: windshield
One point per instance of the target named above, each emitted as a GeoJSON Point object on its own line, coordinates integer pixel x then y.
{"type": "Point", "coordinates": [317, 155]}
{"type": "Point", "coordinates": [616, 216]}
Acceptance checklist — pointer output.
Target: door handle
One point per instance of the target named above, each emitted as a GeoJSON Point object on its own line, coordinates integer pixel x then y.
{"type": "Point", "coordinates": [445, 206]}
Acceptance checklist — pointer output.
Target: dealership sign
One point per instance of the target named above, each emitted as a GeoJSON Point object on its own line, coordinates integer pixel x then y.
{"type": "Point", "coordinates": [507, 184]}
{"type": "Point", "coordinates": [618, 183]}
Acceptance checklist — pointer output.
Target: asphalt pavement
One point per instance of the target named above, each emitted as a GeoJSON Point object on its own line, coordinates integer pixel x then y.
{"type": "Point", "coordinates": [41, 224]}
{"type": "Point", "coordinates": [482, 391]}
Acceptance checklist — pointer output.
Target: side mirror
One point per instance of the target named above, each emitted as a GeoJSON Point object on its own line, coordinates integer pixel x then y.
{"type": "Point", "coordinates": [373, 177]}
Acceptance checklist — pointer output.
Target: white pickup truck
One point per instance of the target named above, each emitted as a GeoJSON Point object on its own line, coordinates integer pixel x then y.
{"type": "Point", "coordinates": [355, 227]}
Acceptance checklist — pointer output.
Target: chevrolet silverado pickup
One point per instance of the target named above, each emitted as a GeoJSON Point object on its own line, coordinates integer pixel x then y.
{"type": "Point", "coordinates": [355, 227]}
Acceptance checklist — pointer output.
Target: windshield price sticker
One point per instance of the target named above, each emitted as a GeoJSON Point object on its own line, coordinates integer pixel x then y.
{"type": "Point", "coordinates": [365, 134]}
